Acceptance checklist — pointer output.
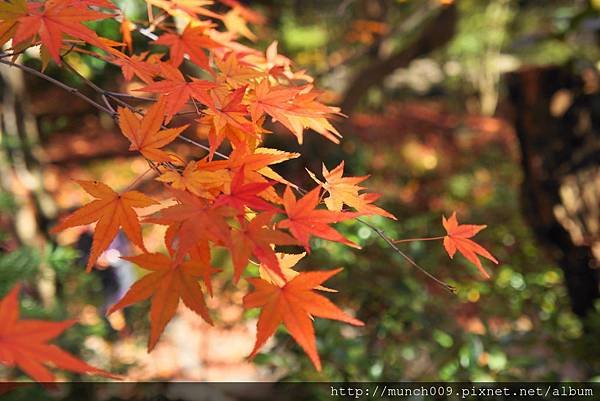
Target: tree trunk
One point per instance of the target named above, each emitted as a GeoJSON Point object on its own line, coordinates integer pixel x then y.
{"type": "Point", "coordinates": [556, 116]}
{"type": "Point", "coordinates": [437, 32]}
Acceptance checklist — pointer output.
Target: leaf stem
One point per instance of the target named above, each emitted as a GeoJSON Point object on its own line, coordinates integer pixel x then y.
{"type": "Point", "coordinates": [400, 241]}
{"type": "Point", "coordinates": [138, 179]}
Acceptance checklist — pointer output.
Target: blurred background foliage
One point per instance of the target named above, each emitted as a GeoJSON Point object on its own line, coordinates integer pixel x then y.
{"type": "Point", "coordinates": [436, 135]}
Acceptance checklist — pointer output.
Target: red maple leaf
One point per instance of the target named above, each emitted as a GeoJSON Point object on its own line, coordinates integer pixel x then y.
{"type": "Point", "coordinates": [191, 42]}
{"type": "Point", "coordinates": [242, 196]}
{"type": "Point", "coordinates": [192, 221]}
{"type": "Point", "coordinates": [257, 237]}
{"type": "Point", "coordinates": [168, 282]}
{"type": "Point", "coordinates": [24, 343]}
{"type": "Point", "coordinates": [458, 240]}
{"type": "Point", "coordinates": [294, 304]}
{"type": "Point", "coordinates": [176, 90]}
{"type": "Point", "coordinates": [53, 19]}
{"type": "Point", "coordinates": [303, 220]}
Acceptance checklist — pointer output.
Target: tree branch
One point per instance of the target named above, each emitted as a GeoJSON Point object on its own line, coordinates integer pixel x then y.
{"type": "Point", "coordinates": [437, 32]}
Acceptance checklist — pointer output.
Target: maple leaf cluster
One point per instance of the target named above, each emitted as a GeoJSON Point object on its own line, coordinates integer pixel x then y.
{"type": "Point", "coordinates": [225, 92]}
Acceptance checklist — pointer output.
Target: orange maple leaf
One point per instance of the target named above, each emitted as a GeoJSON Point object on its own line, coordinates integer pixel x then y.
{"type": "Point", "coordinates": [345, 191]}
{"type": "Point", "coordinates": [256, 164]}
{"type": "Point", "coordinates": [142, 65]}
{"type": "Point", "coordinates": [10, 13]}
{"type": "Point", "coordinates": [257, 237]}
{"type": "Point", "coordinates": [175, 90]}
{"type": "Point", "coordinates": [294, 304]}
{"type": "Point", "coordinates": [294, 107]}
{"type": "Point", "coordinates": [235, 73]}
{"type": "Point", "coordinates": [276, 102]}
{"type": "Point", "coordinates": [24, 343]}
{"type": "Point", "coordinates": [167, 283]}
{"type": "Point", "coordinates": [186, 8]}
{"type": "Point", "coordinates": [303, 220]}
{"type": "Point", "coordinates": [126, 28]}
{"type": "Point", "coordinates": [236, 24]}
{"type": "Point", "coordinates": [458, 239]}
{"type": "Point", "coordinates": [226, 112]}
{"type": "Point", "coordinates": [145, 133]}
{"type": "Point", "coordinates": [203, 183]}
{"type": "Point", "coordinates": [55, 18]}
{"type": "Point", "coordinates": [111, 210]}
{"type": "Point", "coordinates": [191, 42]}
{"type": "Point", "coordinates": [192, 221]}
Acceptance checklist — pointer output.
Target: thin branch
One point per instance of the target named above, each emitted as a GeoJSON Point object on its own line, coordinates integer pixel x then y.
{"type": "Point", "coordinates": [390, 242]}
{"type": "Point", "coordinates": [138, 179]}
{"type": "Point", "coordinates": [56, 82]}
{"type": "Point", "coordinates": [129, 96]}
{"type": "Point", "coordinates": [198, 144]}
{"type": "Point", "coordinates": [400, 241]}
{"type": "Point", "coordinates": [107, 103]}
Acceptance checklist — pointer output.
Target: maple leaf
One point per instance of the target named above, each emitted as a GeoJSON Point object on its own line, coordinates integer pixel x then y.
{"type": "Point", "coordinates": [367, 206]}
{"type": "Point", "coordinates": [141, 65]}
{"type": "Point", "coordinates": [274, 101]}
{"type": "Point", "coordinates": [167, 284]}
{"type": "Point", "coordinates": [233, 72]}
{"type": "Point", "coordinates": [256, 166]}
{"type": "Point", "coordinates": [126, 28]}
{"type": "Point", "coordinates": [308, 113]}
{"type": "Point", "coordinates": [259, 160]}
{"type": "Point", "coordinates": [294, 304]}
{"type": "Point", "coordinates": [224, 112]}
{"type": "Point", "coordinates": [24, 343]}
{"type": "Point", "coordinates": [286, 262]}
{"type": "Point", "coordinates": [279, 66]}
{"type": "Point", "coordinates": [242, 196]}
{"type": "Point", "coordinates": [193, 221]}
{"type": "Point", "coordinates": [245, 12]}
{"type": "Point", "coordinates": [257, 237]}
{"type": "Point", "coordinates": [457, 238]}
{"type": "Point", "coordinates": [175, 89]}
{"type": "Point", "coordinates": [111, 211]}
{"type": "Point", "coordinates": [192, 41]}
{"type": "Point", "coordinates": [185, 8]}
{"type": "Point", "coordinates": [295, 108]}
{"type": "Point", "coordinates": [236, 24]}
{"type": "Point", "coordinates": [202, 183]}
{"type": "Point", "coordinates": [345, 191]}
{"type": "Point", "coordinates": [145, 133]}
{"type": "Point", "coordinates": [303, 220]}
{"type": "Point", "coordinates": [55, 18]}
{"type": "Point", "coordinates": [10, 13]}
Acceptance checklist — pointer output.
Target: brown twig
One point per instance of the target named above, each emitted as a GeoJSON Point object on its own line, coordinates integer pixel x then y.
{"type": "Point", "coordinates": [56, 82]}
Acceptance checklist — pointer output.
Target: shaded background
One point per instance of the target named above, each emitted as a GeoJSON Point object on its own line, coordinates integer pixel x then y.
{"type": "Point", "coordinates": [490, 108]}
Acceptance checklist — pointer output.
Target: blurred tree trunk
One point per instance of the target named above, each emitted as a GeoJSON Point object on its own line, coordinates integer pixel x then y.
{"type": "Point", "coordinates": [21, 172]}
{"type": "Point", "coordinates": [437, 30]}
{"type": "Point", "coordinates": [557, 120]}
